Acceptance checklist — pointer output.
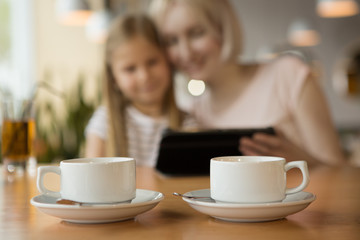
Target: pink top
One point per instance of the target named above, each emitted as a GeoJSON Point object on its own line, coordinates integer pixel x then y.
{"type": "Point", "coordinates": [270, 99]}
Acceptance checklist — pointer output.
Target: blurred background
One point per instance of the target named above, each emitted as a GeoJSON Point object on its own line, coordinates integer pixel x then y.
{"type": "Point", "coordinates": [52, 49]}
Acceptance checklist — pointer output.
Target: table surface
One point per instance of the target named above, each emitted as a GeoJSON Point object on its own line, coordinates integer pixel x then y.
{"type": "Point", "coordinates": [335, 214]}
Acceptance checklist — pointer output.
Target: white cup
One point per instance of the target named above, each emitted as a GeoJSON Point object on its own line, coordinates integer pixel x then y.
{"type": "Point", "coordinates": [253, 179]}
{"type": "Point", "coordinates": [93, 180]}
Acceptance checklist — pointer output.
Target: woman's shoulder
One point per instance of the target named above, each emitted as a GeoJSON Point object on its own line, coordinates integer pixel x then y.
{"type": "Point", "coordinates": [282, 60]}
{"type": "Point", "coordinates": [285, 70]}
{"type": "Point", "coordinates": [287, 62]}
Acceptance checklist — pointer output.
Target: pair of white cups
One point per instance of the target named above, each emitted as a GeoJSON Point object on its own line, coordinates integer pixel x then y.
{"type": "Point", "coordinates": [238, 179]}
{"type": "Point", "coordinates": [253, 179]}
{"type": "Point", "coordinates": [93, 180]}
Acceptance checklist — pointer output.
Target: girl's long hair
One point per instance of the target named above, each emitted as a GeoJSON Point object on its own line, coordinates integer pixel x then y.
{"type": "Point", "coordinates": [124, 29]}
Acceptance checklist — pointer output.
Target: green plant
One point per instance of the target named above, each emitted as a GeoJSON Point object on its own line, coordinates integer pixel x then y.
{"type": "Point", "coordinates": [63, 137]}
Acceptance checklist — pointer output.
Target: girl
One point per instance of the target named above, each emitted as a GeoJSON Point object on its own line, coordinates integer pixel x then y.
{"type": "Point", "coordinates": [138, 93]}
{"type": "Point", "coordinates": [203, 41]}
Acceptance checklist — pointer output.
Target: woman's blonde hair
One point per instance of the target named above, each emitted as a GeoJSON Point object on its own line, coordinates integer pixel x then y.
{"type": "Point", "coordinates": [124, 29]}
{"type": "Point", "coordinates": [218, 14]}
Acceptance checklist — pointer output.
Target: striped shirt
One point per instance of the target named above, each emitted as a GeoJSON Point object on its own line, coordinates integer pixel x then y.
{"type": "Point", "coordinates": [143, 132]}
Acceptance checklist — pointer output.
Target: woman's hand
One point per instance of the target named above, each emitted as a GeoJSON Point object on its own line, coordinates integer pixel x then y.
{"type": "Point", "coordinates": [262, 144]}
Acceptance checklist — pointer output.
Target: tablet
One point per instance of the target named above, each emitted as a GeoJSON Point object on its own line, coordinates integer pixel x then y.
{"type": "Point", "coordinates": [189, 153]}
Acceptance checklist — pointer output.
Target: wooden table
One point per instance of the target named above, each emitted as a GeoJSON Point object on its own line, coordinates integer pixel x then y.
{"type": "Point", "coordinates": [335, 214]}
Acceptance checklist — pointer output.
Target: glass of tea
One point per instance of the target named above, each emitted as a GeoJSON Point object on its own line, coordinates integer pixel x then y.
{"type": "Point", "coordinates": [17, 135]}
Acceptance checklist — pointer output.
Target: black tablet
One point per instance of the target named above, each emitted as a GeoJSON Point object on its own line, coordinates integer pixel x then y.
{"type": "Point", "coordinates": [189, 153]}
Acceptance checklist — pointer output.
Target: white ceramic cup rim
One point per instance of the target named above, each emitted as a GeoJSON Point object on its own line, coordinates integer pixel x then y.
{"type": "Point", "coordinates": [97, 160]}
{"type": "Point", "coordinates": [246, 159]}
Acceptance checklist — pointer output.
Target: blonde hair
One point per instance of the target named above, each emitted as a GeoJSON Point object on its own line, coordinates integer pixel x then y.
{"type": "Point", "coordinates": [124, 29]}
{"type": "Point", "coordinates": [218, 14]}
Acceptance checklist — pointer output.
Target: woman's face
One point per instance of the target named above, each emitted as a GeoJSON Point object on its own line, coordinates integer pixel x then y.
{"type": "Point", "coordinates": [141, 72]}
{"type": "Point", "coordinates": [192, 46]}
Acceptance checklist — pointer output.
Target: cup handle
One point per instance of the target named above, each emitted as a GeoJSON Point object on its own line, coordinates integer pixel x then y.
{"type": "Point", "coordinates": [302, 165]}
{"type": "Point", "coordinates": [42, 171]}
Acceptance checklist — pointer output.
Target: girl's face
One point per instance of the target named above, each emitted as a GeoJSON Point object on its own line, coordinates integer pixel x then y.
{"type": "Point", "coordinates": [141, 72]}
{"type": "Point", "coordinates": [192, 46]}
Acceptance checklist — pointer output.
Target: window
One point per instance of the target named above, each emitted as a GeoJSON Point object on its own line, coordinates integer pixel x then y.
{"type": "Point", "coordinates": [17, 70]}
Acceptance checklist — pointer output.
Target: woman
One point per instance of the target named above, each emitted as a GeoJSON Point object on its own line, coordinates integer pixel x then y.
{"type": "Point", "coordinates": [203, 41]}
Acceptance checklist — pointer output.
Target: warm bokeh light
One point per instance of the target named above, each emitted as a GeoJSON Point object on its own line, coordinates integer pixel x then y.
{"type": "Point", "coordinates": [304, 38]}
{"type": "Point", "coordinates": [302, 34]}
{"type": "Point", "coordinates": [72, 12]}
{"type": "Point", "coordinates": [75, 18]}
{"type": "Point", "coordinates": [196, 87]}
{"type": "Point", "coordinates": [337, 8]}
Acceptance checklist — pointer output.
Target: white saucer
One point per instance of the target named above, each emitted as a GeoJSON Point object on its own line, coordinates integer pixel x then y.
{"type": "Point", "coordinates": [98, 213]}
{"type": "Point", "coordinates": [259, 212]}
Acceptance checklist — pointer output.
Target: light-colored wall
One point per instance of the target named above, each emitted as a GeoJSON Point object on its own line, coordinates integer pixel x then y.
{"type": "Point", "coordinates": [63, 51]}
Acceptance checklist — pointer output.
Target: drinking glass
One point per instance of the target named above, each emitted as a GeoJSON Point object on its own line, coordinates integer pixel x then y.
{"type": "Point", "coordinates": [17, 135]}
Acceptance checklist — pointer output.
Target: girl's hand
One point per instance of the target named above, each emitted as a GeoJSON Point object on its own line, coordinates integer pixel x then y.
{"type": "Point", "coordinates": [262, 144]}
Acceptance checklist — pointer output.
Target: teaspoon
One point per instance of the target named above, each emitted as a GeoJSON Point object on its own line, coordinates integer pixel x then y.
{"type": "Point", "coordinates": [185, 196]}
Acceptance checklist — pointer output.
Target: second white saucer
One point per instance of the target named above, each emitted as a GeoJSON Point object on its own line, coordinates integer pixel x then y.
{"type": "Point", "coordinates": [259, 212]}
{"type": "Point", "coordinates": [98, 213]}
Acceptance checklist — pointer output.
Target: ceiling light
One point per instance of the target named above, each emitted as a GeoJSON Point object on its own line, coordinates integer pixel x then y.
{"type": "Point", "coordinates": [336, 8]}
{"type": "Point", "coordinates": [302, 35]}
{"type": "Point", "coordinates": [72, 12]}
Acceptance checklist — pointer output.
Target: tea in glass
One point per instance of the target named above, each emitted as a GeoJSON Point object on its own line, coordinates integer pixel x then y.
{"type": "Point", "coordinates": [18, 134]}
